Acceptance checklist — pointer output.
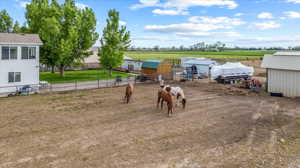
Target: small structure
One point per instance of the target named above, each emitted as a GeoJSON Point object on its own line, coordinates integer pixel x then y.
{"type": "Point", "coordinates": [154, 68]}
{"type": "Point", "coordinates": [19, 63]}
{"type": "Point", "coordinates": [131, 64]}
{"type": "Point", "coordinates": [283, 73]}
{"type": "Point", "coordinates": [92, 62]}
{"type": "Point", "coordinates": [202, 64]}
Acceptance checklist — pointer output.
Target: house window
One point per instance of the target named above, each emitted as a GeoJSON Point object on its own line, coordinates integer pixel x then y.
{"type": "Point", "coordinates": [14, 77]}
{"type": "Point", "coordinates": [28, 52]}
{"type": "Point", "coordinates": [9, 53]}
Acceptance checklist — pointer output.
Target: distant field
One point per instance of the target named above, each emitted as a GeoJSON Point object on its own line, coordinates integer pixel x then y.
{"type": "Point", "coordinates": [226, 55]}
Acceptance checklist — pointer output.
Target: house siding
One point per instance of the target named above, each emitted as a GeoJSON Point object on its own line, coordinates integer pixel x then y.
{"type": "Point", "coordinates": [286, 82]}
{"type": "Point", "coordinates": [29, 69]}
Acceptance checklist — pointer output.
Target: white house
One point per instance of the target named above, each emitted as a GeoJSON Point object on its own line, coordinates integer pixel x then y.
{"type": "Point", "coordinates": [93, 60]}
{"type": "Point", "coordinates": [19, 61]}
{"type": "Point", "coordinates": [283, 73]}
{"type": "Point", "coordinates": [131, 64]}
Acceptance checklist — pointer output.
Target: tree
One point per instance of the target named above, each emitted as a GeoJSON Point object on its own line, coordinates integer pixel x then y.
{"type": "Point", "coordinates": [17, 28]}
{"type": "Point", "coordinates": [66, 31]}
{"type": "Point", "coordinates": [156, 48]}
{"type": "Point", "coordinates": [115, 40]}
{"type": "Point", "coordinates": [6, 22]}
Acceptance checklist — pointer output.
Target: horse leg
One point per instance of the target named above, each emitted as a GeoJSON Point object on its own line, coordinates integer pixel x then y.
{"type": "Point", "coordinates": [128, 98]}
{"type": "Point", "coordinates": [162, 104]}
{"type": "Point", "coordinates": [158, 101]}
{"type": "Point", "coordinates": [177, 100]}
{"type": "Point", "coordinates": [125, 97]}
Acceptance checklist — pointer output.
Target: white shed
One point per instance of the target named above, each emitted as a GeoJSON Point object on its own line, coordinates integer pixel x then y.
{"type": "Point", "coordinates": [131, 64]}
{"type": "Point", "coordinates": [283, 73]}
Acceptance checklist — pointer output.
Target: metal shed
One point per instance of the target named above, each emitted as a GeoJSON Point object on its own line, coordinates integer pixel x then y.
{"type": "Point", "coordinates": [131, 64]}
{"type": "Point", "coordinates": [202, 64]}
{"type": "Point", "coordinates": [283, 73]}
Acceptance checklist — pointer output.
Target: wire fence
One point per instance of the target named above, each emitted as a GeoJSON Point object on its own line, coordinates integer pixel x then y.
{"type": "Point", "coordinates": [94, 84]}
{"type": "Point", "coordinates": [62, 87]}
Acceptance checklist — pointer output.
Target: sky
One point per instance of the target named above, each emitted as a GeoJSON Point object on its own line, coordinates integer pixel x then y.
{"type": "Point", "coordinates": [167, 23]}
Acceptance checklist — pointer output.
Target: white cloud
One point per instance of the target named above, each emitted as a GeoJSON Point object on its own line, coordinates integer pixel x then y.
{"type": "Point", "coordinates": [81, 6]}
{"type": "Point", "coordinates": [123, 23]}
{"type": "Point", "coordinates": [268, 41]}
{"type": "Point", "coordinates": [210, 34]}
{"type": "Point", "coordinates": [184, 27]}
{"type": "Point", "coordinates": [216, 20]}
{"type": "Point", "coordinates": [293, 1]}
{"type": "Point", "coordinates": [145, 3]}
{"type": "Point", "coordinates": [160, 38]}
{"type": "Point", "coordinates": [292, 14]}
{"type": "Point", "coordinates": [22, 4]}
{"type": "Point", "coordinates": [265, 25]}
{"type": "Point", "coordinates": [170, 12]}
{"type": "Point", "coordinates": [180, 4]}
{"type": "Point", "coordinates": [265, 15]}
{"type": "Point", "coordinates": [200, 26]}
{"type": "Point", "coordinates": [239, 14]}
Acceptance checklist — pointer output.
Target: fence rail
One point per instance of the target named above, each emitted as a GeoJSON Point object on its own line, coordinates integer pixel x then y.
{"type": "Point", "coordinates": [48, 88]}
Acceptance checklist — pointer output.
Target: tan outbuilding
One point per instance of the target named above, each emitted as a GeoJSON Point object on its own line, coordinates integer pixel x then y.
{"type": "Point", "coordinates": [154, 68]}
{"type": "Point", "coordinates": [283, 73]}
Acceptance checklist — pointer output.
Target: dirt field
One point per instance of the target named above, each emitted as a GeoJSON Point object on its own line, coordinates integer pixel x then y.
{"type": "Point", "coordinates": [222, 127]}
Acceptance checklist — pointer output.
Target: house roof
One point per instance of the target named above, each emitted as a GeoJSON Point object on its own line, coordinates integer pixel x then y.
{"type": "Point", "coordinates": [284, 61]}
{"type": "Point", "coordinates": [153, 64]}
{"type": "Point", "coordinates": [12, 38]}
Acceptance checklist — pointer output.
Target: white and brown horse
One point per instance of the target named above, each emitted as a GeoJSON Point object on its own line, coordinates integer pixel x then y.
{"type": "Point", "coordinates": [178, 93]}
{"type": "Point", "coordinates": [165, 96]}
{"type": "Point", "coordinates": [129, 92]}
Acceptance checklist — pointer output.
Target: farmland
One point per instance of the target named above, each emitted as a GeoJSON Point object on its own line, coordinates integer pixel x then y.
{"type": "Point", "coordinates": [225, 56]}
{"type": "Point", "coordinates": [221, 127]}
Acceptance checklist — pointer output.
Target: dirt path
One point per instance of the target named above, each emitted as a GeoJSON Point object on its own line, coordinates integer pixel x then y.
{"type": "Point", "coordinates": [221, 127]}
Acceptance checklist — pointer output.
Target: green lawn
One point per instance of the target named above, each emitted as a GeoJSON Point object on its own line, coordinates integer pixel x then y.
{"type": "Point", "coordinates": [79, 76]}
{"type": "Point", "coordinates": [226, 55]}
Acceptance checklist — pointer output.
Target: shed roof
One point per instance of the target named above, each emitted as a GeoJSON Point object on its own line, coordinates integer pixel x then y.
{"type": "Point", "coordinates": [287, 53]}
{"type": "Point", "coordinates": [153, 64]}
{"type": "Point", "coordinates": [284, 62]}
{"type": "Point", "coordinates": [13, 38]}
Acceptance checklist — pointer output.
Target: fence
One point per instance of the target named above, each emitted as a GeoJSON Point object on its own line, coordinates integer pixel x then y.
{"type": "Point", "coordinates": [46, 88]}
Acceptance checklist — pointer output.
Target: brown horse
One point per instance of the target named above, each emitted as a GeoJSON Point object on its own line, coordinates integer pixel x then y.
{"type": "Point", "coordinates": [165, 95]}
{"type": "Point", "coordinates": [128, 93]}
{"type": "Point", "coordinates": [178, 93]}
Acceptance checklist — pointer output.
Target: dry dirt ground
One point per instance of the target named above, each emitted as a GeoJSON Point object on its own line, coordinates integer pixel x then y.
{"type": "Point", "coordinates": [222, 127]}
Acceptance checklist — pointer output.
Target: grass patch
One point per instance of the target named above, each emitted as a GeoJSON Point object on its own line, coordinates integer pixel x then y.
{"type": "Point", "coordinates": [226, 55]}
{"type": "Point", "coordinates": [80, 76]}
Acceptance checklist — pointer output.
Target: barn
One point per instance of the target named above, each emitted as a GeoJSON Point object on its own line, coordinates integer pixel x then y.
{"type": "Point", "coordinates": [155, 67]}
{"type": "Point", "coordinates": [283, 73]}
